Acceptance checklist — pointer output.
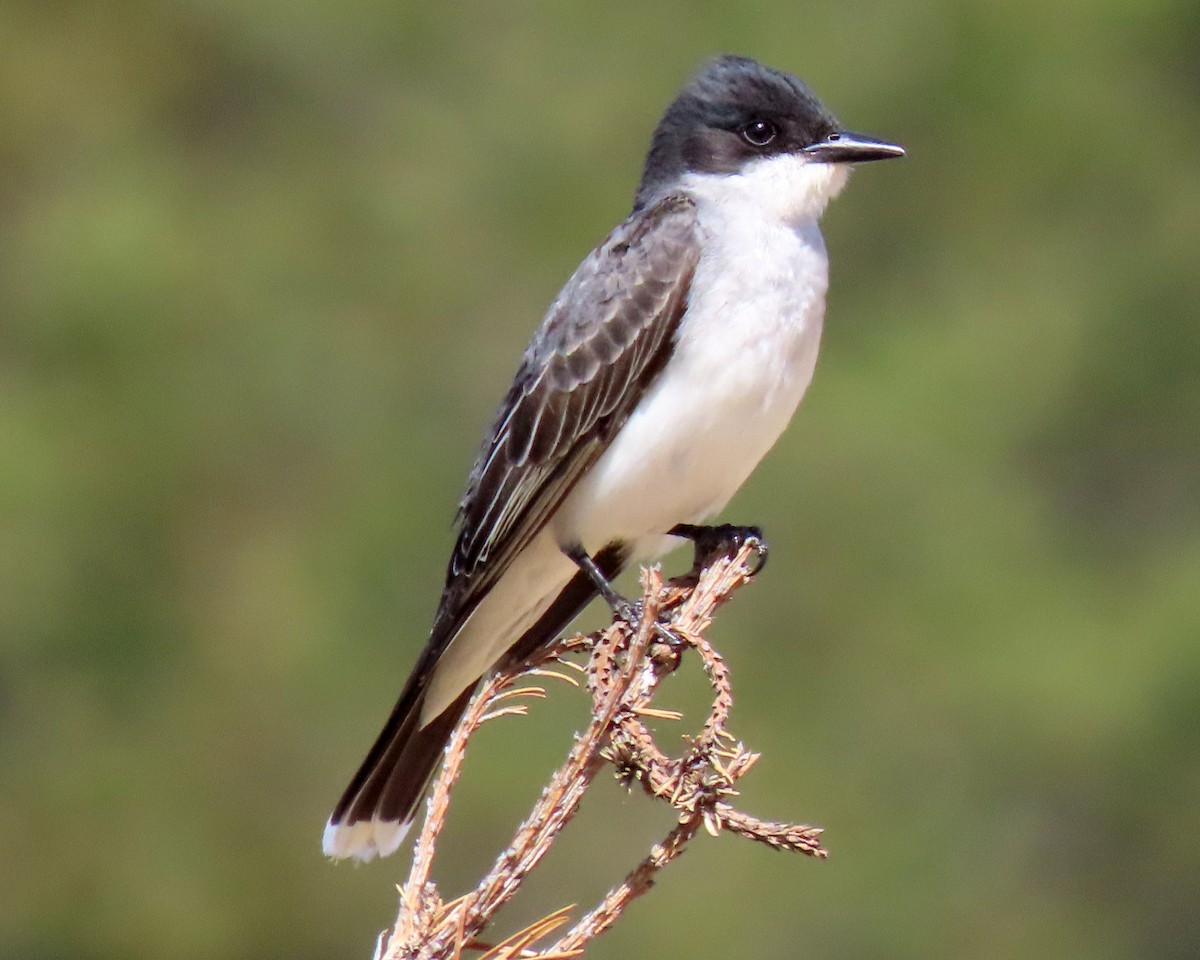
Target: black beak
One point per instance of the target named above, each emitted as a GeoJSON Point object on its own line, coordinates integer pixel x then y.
{"type": "Point", "coordinates": [843, 147]}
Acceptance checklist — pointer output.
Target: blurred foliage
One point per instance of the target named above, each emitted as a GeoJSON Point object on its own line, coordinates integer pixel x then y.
{"type": "Point", "coordinates": [266, 269]}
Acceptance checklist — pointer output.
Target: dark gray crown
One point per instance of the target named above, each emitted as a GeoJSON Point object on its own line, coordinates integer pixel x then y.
{"type": "Point", "coordinates": [703, 129]}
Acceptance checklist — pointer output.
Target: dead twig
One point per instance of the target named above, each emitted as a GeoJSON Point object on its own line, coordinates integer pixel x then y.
{"type": "Point", "coordinates": [625, 664]}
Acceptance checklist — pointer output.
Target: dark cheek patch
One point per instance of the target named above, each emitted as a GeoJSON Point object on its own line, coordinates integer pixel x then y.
{"type": "Point", "coordinates": [717, 151]}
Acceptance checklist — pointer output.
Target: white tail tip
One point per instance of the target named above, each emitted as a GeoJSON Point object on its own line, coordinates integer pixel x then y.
{"type": "Point", "coordinates": [364, 840]}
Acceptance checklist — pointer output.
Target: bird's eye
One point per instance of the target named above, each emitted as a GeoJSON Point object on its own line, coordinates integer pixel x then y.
{"type": "Point", "coordinates": [758, 133]}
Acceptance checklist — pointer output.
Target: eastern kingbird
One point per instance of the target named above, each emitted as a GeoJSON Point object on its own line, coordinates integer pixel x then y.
{"type": "Point", "coordinates": [664, 371]}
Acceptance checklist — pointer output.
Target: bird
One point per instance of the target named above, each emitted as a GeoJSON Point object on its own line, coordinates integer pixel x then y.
{"type": "Point", "coordinates": [663, 372]}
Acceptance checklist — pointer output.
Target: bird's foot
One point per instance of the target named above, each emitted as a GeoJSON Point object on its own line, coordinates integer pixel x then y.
{"type": "Point", "coordinates": [722, 540]}
{"type": "Point", "coordinates": [624, 609]}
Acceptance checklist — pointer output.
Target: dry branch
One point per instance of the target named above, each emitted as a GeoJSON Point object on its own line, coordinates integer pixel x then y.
{"type": "Point", "coordinates": [625, 664]}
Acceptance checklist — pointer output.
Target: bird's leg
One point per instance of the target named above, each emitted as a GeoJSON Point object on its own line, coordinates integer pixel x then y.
{"type": "Point", "coordinates": [627, 610]}
{"type": "Point", "coordinates": [722, 540]}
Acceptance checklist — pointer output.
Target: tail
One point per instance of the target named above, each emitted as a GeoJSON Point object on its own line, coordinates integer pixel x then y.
{"type": "Point", "coordinates": [378, 807]}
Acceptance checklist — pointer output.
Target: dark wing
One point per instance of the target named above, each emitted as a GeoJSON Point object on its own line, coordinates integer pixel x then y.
{"type": "Point", "coordinates": [603, 340]}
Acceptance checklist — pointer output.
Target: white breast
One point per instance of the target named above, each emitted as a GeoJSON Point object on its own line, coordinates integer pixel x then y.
{"type": "Point", "coordinates": [743, 357]}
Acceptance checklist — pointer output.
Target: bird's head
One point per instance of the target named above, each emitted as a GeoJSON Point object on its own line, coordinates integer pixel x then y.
{"type": "Point", "coordinates": [760, 132]}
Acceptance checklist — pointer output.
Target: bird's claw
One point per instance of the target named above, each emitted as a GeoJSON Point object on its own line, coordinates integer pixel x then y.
{"type": "Point", "coordinates": [628, 611]}
{"type": "Point", "coordinates": [723, 540]}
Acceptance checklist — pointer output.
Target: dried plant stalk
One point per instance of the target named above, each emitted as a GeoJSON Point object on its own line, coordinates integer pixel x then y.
{"type": "Point", "coordinates": [626, 662]}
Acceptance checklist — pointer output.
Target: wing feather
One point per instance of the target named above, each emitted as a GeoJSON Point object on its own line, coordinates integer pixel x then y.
{"type": "Point", "coordinates": [605, 337]}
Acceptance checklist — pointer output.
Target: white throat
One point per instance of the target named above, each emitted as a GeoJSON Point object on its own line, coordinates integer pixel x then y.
{"type": "Point", "coordinates": [788, 189]}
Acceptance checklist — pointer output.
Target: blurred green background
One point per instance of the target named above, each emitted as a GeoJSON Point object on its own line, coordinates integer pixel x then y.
{"type": "Point", "coordinates": [265, 271]}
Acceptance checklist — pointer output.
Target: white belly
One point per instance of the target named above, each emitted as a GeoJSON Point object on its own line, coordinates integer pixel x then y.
{"type": "Point", "coordinates": [742, 360]}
